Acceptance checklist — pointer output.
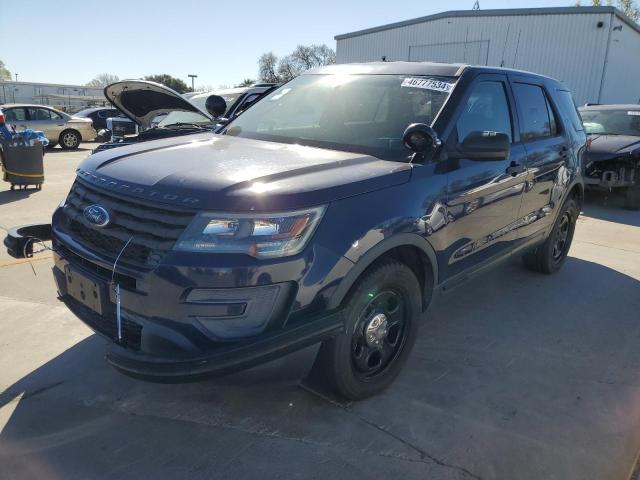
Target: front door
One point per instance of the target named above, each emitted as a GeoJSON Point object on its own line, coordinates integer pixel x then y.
{"type": "Point", "coordinates": [483, 196]}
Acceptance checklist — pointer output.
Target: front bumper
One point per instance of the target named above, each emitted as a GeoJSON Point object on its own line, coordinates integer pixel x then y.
{"type": "Point", "coordinates": [186, 319]}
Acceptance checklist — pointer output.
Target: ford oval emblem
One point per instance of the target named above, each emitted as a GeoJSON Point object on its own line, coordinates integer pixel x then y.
{"type": "Point", "coordinates": [97, 216]}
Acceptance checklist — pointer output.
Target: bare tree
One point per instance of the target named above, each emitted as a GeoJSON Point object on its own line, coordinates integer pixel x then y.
{"type": "Point", "coordinates": [5, 74]}
{"type": "Point", "coordinates": [268, 67]}
{"type": "Point", "coordinates": [304, 57]}
{"type": "Point", "coordinates": [288, 68]}
{"type": "Point", "coordinates": [103, 80]}
{"type": "Point", "coordinates": [629, 8]}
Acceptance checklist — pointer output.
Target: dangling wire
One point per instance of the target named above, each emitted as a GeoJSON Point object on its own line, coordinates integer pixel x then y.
{"type": "Point", "coordinates": [116, 289]}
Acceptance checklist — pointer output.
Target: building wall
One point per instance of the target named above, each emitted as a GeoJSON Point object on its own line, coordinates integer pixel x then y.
{"type": "Point", "coordinates": [569, 46]}
{"type": "Point", "coordinates": [622, 71]}
{"type": "Point", "coordinates": [30, 92]}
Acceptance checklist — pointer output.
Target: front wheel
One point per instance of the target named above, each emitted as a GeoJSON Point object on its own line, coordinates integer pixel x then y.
{"type": "Point", "coordinates": [550, 256]}
{"type": "Point", "coordinates": [382, 315]}
{"type": "Point", "coordinates": [69, 140]}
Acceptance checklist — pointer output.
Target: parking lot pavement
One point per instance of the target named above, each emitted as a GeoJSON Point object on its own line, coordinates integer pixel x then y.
{"type": "Point", "coordinates": [517, 375]}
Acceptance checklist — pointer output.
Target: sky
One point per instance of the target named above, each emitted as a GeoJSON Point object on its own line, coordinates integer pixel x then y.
{"type": "Point", "coordinates": [72, 41]}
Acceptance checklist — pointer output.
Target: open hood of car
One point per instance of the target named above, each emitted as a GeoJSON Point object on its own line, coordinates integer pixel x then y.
{"type": "Point", "coordinates": [142, 101]}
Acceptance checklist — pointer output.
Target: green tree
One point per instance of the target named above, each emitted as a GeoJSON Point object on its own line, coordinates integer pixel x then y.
{"type": "Point", "coordinates": [102, 80]}
{"type": "Point", "coordinates": [5, 74]}
{"type": "Point", "coordinates": [247, 82]}
{"type": "Point", "coordinates": [169, 81]}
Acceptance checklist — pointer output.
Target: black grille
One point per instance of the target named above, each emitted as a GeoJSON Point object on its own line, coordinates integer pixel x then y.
{"type": "Point", "coordinates": [152, 230]}
{"type": "Point", "coordinates": [106, 325]}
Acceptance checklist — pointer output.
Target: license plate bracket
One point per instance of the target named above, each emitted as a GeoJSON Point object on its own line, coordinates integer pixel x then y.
{"type": "Point", "coordinates": [89, 292]}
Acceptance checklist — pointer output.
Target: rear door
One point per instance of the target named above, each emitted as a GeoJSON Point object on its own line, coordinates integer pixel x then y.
{"type": "Point", "coordinates": [16, 117]}
{"type": "Point", "coordinates": [483, 197]}
{"type": "Point", "coordinates": [547, 149]}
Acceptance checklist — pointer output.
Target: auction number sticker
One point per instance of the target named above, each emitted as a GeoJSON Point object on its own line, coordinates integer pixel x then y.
{"type": "Point", "coordinates": [635, 113]}
{"type": "Point", "coordinates": [428, 84]}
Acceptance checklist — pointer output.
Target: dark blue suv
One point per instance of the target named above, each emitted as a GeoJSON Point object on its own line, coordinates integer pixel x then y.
{"type": "Point", "coordinates": [332, 211]}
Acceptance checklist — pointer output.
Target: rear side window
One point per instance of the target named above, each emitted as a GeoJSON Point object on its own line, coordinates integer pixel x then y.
{"type": "Point", "coordinates": [537, 116]}
{"type": "Point", "coordinates": [486, 109]}
{"type": "Point", "coordinates": [15, 115]}
{"type": "Point", "coordinates": [568, 110]}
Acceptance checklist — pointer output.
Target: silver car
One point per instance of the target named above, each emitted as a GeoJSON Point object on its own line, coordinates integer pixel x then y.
{"type": "Point", "coordinates": [58, 127]}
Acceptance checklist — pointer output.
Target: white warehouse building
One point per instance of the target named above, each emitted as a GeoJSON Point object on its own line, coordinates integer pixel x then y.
{"type": "Point", "coordinates": [595, 51]}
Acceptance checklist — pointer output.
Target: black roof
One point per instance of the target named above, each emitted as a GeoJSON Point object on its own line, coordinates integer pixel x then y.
{"type": "Point", "coordinates": [412, 68]}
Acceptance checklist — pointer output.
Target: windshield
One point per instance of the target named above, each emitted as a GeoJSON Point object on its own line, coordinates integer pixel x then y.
{"type": "Point", "coordinates": [360, 113]}
{"type": "Point", "coordinates": [611, 122]}
{"type": "Point", "coordinates": [201, 100]}
{"type": "Point", "coordinates": [184, 117]}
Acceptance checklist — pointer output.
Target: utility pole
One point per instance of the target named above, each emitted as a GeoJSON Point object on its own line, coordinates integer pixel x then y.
{"type": "Point", "coordinates": [16, 77]}
{"type": "Point", "coordinates": [476, 6]}
{"type": "Point", "coordinates": [193, 77]}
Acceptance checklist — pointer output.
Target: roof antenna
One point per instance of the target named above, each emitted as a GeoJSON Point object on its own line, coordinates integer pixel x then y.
{"type": "Point", "coordinates": [476, 5]}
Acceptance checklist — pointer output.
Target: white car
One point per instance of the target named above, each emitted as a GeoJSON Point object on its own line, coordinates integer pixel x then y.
{"type": "Point", "coordinates": [58, 127]}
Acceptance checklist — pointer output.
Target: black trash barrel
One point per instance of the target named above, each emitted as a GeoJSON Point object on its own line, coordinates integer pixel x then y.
{"type": "Point", "coordinates": [23, 165]}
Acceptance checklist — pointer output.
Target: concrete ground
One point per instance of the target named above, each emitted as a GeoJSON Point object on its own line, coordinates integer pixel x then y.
{"type": "Point", "coordinates": [515, 376]}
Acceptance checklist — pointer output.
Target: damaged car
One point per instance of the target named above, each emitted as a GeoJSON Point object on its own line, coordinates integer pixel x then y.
{"type": "Point", "coordinates": [330, 213]}
{"type": "Point", "coordinates": [153, 111]}
{"type": "Point", "coordinates": [612, 160]}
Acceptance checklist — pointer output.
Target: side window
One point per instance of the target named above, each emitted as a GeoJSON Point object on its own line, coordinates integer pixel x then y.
{"type": "Point", "coordinates": [534, 110]}
{"type": "Point", "coordinates": [39, 114]}
{"type": "Point", "coordinates": [568, 110]}
{"type": "Point", "coordinates": [487, 109]}
{"type": "Point", "coordinates": [553, 124]}
{"type": "Point", "coordinates": [55, 115]}
{"type": "Point", "coordinates": [15, 115]}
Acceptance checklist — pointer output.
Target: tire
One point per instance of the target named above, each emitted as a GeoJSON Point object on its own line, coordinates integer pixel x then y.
{"type": "Point", "coordinates": [69, 140]}
{"type": "Point", "coordinates": [551, 255]}
{"type": "Point", "coordinates": [364, 361]}
{"type": "Point", "coordinates": [632, 197]}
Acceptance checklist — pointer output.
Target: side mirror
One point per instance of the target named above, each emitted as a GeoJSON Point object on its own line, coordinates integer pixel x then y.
{"type": "Point", "coordinates": [215, 105]}
{"type": "Point", "coordinates": [420, 138]}
{"type": "Point", "coordinates": [486, 146]}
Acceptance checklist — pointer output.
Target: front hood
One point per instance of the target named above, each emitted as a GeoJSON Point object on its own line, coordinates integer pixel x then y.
{"type": "Point", "coordinates": [217, 172]}
{"type": "Point", "coordinates": [142, 101]}
{"type": "Point", "coordinates": [607, 147]}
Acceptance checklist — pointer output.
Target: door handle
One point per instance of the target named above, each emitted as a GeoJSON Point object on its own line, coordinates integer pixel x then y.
{"type": "Point", "coordinates": [564, 151]}
{"type": "Point", "coordinates": [515, 168]}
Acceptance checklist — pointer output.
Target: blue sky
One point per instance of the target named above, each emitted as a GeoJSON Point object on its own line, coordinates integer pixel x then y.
{"type": "Point", "coordinates": [71, 41]}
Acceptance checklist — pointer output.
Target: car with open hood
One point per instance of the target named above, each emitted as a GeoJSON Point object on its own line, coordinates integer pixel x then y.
{"type": "Point", "coordinates": [331, 212]}
{"type": "Point", "coordinates": [152, 111]}
{"type": "Point", "coordinates": [612, 160]}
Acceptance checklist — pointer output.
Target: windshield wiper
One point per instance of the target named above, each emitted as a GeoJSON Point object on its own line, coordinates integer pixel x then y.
{"type": "Point", "coordinates": [181, 124]}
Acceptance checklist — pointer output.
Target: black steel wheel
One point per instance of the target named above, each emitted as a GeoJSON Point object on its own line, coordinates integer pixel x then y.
{"type": "Point", "coordinates": [382, 315]}
{"type": "Point", "coordinates": [550, 255]}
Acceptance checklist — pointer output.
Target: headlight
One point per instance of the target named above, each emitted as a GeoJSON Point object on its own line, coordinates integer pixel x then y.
{"type": "Point", "coordinates": [259, 235]}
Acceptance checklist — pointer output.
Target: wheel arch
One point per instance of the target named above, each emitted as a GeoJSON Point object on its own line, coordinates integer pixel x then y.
{"type": "Point", "coordinates": [411, 249]}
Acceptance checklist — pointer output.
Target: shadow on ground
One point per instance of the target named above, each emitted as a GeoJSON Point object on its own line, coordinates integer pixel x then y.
{"type": "Point", "coordinates": [609, 206]}
{"type": "Point", "coordinates": [518, 376]}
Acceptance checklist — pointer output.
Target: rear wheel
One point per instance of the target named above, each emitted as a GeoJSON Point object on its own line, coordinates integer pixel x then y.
{"type": "Point", "coordinates": [69, 140]}
{"type": "Point", "coordinates": [382, 314]}
{"type": "Point", "coordinates": [550, 256]}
